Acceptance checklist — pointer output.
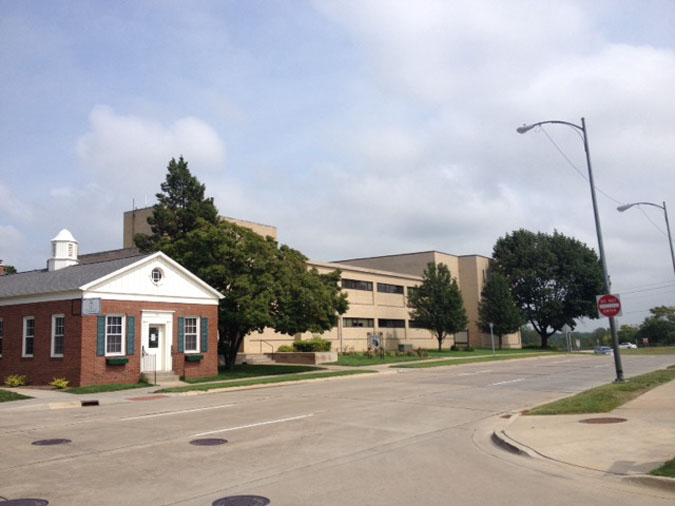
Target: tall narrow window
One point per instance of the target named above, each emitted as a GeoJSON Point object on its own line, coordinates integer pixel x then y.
{"type": "Point", "coordinates": [114, 326]}
{"type": "Point", "coordinates": [2, 332]}
{"type": "Point", "coordinates": [58, 335]}
{"type": "Point", "coordinates": [191, 332]}
{"type": "Point", "coordinates": [28, 336]}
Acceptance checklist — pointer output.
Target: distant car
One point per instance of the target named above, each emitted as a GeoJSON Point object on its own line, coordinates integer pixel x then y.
{"type": "Point", "coordinates": [627, 346]}
{"type": "Point", "coordinates": [603, 350]}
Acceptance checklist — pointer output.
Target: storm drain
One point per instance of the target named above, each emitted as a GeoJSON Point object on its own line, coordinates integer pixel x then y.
{"type": "Point", "coordinates": [607, 419]}
{"type": "Point", "coordinates": [214, 441]}
{"type": "Point", "coordinates": [48, 442]}
{"type": "Point", "coordinates": [241, 500]}
{"type": "Point", "coordinates": [24, 502]}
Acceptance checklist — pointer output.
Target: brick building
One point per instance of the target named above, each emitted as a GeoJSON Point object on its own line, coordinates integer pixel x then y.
{"type": "Point", "coordinates": [94, 320]}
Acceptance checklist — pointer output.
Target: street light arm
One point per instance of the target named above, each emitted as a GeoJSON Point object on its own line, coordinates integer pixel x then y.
{"type": "Point", "coordinates": [527, 128]}
{"type": "Point", "coordinates": [625, 207]}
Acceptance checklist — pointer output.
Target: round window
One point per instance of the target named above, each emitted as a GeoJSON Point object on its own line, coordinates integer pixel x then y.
{"type": "Point", "coordinates": [156, 275]}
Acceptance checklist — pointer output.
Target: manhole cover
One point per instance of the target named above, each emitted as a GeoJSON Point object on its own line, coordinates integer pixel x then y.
{"type": "Point", "coordinates": [48, 442]}
{"type": "Point", "coordinates": [24, 502]}
{"type": "Point", "coordinates": [209, 442]}
{"type": "Point", "coordinates": [603, 420]}
{"type": "Point", "coordinates": [241, 500]}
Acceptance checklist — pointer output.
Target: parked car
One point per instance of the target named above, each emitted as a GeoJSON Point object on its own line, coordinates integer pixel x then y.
{"type": "Point", "coordinates": [603, 350]}
{"type": "Point", "coordinates": [627, 346]}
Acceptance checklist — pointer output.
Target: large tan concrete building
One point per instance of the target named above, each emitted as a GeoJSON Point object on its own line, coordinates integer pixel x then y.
{"type": "Point", "coordinates": [377, 289]}
{"type": "Point", "coordinates": [136, 222]}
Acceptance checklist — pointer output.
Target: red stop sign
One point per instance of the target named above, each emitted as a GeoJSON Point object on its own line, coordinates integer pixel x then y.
{"type": "Point", "coordinates": [609, 305]}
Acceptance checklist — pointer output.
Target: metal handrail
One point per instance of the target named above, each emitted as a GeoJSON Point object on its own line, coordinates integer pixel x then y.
{"type": "Point", "coordinates": [268, 344]}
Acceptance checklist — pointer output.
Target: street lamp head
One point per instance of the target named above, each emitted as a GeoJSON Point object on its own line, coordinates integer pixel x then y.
{"type": "Point", "coordinates": [524, 128]}
{"type": "Point", "coordinates": [624, 207]}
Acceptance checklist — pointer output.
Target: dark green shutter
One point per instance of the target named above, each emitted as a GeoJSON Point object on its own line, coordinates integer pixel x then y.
{"type": "Point", "coordinates": [131, 335]}
{"type": "Point", "coordinates": [205, 335]}
{"type": "Point", "coordinates": [181, 334]}
{"type": "Point", "coordinates": [100, 342]}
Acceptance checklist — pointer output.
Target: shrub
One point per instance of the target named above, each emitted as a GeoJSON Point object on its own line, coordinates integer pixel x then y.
{"type": "Point", "coordinates": [16, 380]}
{"type": "Point", "coordinates": [468, 348]}
{"type": "Point", "coordinates": [410, 353]}
{"type": "Point", "coordinates": [284, 348]}
{"type": "Point", "coordinates": [454, 347]}
{"type": "Point", "coordinates": [420, 352]}
{"type": "Point", "coordinates": [59, 383]}
{"type": "Point", "coordinates": [312, 345]}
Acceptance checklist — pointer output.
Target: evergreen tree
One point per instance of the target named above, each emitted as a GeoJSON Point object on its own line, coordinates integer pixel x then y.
{"type": "Point", "coordinates": [498, 307]}
{"type": "Point", "coordinates": [180, 204]}
{"type": "Point", "coordinates": [437, 303]}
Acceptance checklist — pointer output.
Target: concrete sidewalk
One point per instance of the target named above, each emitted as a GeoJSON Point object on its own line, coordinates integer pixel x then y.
{"type": "Point", "coordinates": [630, 441]}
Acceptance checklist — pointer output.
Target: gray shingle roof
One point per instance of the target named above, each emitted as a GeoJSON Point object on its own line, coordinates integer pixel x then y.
{"type": "Point", "coordinates": [62, 280]}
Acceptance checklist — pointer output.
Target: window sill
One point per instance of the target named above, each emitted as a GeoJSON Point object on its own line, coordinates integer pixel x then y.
{"type": "Point", "coordinates": [116, 360]}
{"type": "Point", "coordinates": [194, 358]}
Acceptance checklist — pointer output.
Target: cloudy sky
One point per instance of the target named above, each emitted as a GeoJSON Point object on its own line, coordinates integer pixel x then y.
{"type": "Point", "coordinates": [357, 127]}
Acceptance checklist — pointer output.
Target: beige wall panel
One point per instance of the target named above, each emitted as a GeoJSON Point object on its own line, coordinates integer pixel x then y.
{"type": "Point", "coordinates": [413, 263]}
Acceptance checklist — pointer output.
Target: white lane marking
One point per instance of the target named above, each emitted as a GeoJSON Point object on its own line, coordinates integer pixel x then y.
{"type": "Point", "coordinates": [280, 420]}
{"type": "Point", "coordinates": [179, 412]}
{"type": "Point", "coordinates": [506, 382]}
{"type": "Point", "coordinates": [472, 373]}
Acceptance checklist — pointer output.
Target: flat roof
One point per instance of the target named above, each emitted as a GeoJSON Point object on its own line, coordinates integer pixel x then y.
{"type": "Point", "coordinates": [408, 254]}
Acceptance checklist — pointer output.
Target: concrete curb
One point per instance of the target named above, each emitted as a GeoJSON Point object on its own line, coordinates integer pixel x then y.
{"type": "Point", "coordinates": [661, 482]}
{"type": "Point", "coordinates": [375, 373]}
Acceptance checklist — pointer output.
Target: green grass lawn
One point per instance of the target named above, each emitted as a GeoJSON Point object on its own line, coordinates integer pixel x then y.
{"type": "Point", "coordinates": [661, 350]}
{"type": "Point", "coordinates": [262, 381]}
{"type": "Point", "coordinates": [483, 351]}
{"type": "Point", "coordinates": [94, 389]}
{"type": "Point", "coordinates": [6, 395]}
{"type": "Point", "coordinates": [362, 360]}
{"type": "Point", "coordinates": [250, 371]}
{"type": "Point", "coordinates": [462, 361]}
{"type": "Point", "coordinates": [667, 469]}
{"type": "Point", "coordinates": [607, 397]}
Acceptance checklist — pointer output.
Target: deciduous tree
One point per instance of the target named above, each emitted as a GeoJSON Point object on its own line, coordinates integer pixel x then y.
{"type": "Point", "coordinates": [437, 303]}
{"type": "Point", "coordinates": [554, 279]}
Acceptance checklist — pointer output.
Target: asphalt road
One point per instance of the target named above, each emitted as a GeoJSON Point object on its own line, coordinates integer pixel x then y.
{"type": "Point", "coordinates": [404, 438]}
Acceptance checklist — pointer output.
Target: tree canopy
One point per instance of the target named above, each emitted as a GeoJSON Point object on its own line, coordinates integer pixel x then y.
{"type": "Point", "coordinates": [554, 279]}
{"type": "Point", "coordinates": [179, 205]}
{"type": "Point", "coordinates": [659, 328]}
{"type": "Point", "coordinates": [437, 303]}
{"type": "Point", "coordinates": [498, 307]}
{"type": "Point", "coordinates": [263, 285]}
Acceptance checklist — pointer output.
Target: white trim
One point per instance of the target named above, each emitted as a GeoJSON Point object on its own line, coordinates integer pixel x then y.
{"type": "Point", "coordinates": [40, 297]}
{"type": "Point", "coordinates": [24, 337]}
{"type": "Point", "coordinates": [159, 254]}
{"type": "Point", "coordinates": [198, 325]}
{"type": "Point", "coordinates": [123, 336]}
{"type": "Point", "coordinates": [53, 344]}
{"type": "Point", "coordinates": [152, 317]}
{"type": "Point", "coordinates": [154, 298]}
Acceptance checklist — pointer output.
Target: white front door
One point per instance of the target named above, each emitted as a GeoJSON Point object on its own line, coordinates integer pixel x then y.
{"type": "Point", "coordinates": [154, 349]}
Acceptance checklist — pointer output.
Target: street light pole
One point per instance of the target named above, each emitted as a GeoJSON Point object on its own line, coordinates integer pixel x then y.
{"type": "Point", "coordinates": [665, 213]}
{"type": "Point", "coordinates": [598, 229]}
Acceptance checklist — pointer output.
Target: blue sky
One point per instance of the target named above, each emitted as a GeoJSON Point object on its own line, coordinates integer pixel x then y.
{"type": "Point", "coordinates": [357, 128]}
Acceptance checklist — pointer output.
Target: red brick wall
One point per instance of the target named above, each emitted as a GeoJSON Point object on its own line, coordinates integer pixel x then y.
{"type": "Point", "coordinates": [80, 364]}
{"type": "Point", "coordinates": [95, 370]}
{"type": "Point", "coordinates": [41, 369]}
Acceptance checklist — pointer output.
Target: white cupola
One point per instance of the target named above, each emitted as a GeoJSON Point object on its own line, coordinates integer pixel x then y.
{"type": "Point", "coordinates": [64, 251]}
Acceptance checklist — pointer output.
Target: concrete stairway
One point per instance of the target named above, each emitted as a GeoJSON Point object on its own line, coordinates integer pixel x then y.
{"type": "Point", "coordinates": [255, 359]}
{"type": "Point", "coordinates": [163, 377]}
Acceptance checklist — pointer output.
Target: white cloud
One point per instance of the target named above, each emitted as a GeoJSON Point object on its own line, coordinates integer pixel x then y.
{"type": "Point", "coordinates": [130, 153]}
